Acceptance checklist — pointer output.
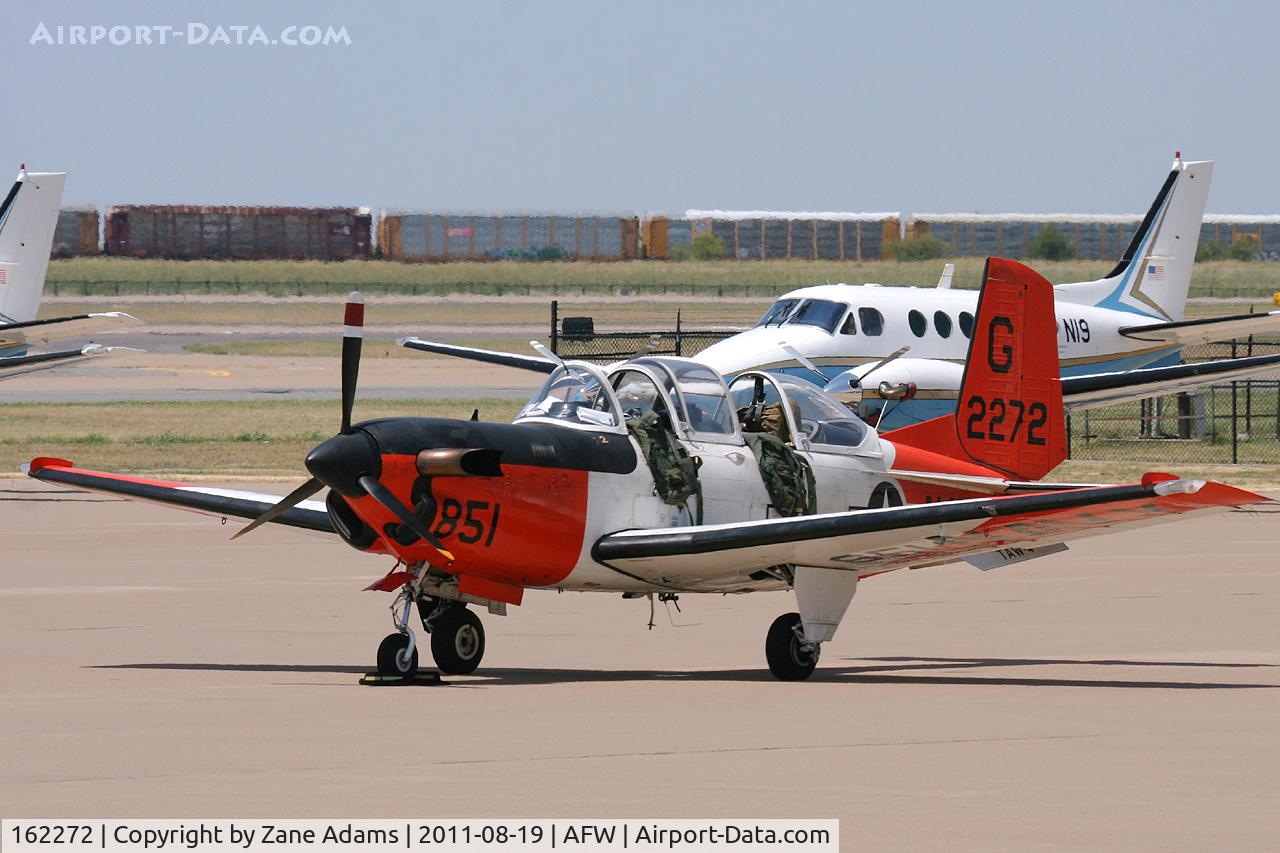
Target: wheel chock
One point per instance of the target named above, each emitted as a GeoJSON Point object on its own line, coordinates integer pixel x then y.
{"type": "Point", "coordinates": [418, 679]}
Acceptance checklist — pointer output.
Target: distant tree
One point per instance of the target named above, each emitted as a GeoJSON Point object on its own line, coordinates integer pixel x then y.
{"type": "Point", "coordinates": [1211, 251]}
{"type": "Point", "coordinates": [1050, 244]}
{"type": "Point", "coordinates": [709, 247]}
{"type": "Point", "coordinates": [1243, 249]}
{"type": "Point", "coordinates": [681, 252]}
{"type": "Point", "coordinates": [923, 248]}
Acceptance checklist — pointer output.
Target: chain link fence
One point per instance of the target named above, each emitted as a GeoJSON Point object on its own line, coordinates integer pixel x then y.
{"type": "Point", "coordinates": [1235, 423]}
{"type": "Point", "coordinates": [1223, 425]}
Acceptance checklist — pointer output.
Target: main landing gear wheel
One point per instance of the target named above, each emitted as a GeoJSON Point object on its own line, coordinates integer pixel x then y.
{"type": "Point", "coordinates": [790, 657]}
{"type": "Point", "coordinates": [391, 659]}
{"type": "Point", "coordinates": [457, 641]}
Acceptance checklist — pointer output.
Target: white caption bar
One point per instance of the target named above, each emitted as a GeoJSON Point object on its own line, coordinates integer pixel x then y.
{"type": "Point", "coordinates": [386, 836]}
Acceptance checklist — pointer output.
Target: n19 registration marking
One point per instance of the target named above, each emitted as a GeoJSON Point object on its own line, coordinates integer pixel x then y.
{"type": "Point", "coordinates": [1003, 419]}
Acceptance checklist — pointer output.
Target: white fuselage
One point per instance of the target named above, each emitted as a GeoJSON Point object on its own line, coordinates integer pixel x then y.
{"type": "Point", "coordinates": [1089, 339]}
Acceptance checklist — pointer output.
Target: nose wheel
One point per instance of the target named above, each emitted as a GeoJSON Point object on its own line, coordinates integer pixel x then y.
{"type": "Point", "coordinates": [396, 658]}
{"type": "Point", "coordinates": [790, 657]}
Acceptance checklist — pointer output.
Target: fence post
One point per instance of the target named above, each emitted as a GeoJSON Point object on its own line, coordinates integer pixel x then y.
{"type": "Point", "coordinates": [1069, 417]}
{"type": "Point", "coordinates": [679, 351]}
{"type": "Point", "coordinates": [1235, 425]}
{"type": "Point", "coordinates": [555, 326]}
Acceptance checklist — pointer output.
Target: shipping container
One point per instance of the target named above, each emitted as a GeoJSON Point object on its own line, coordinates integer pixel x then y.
{"type": "Point", "coordinates": [765, 235]}
{"type": "Point", "coordinates": [189, 231]}
{"type": "Point", "coordinates": [477, 236]}
{"type": "Point", "coordinates": [76, 232]}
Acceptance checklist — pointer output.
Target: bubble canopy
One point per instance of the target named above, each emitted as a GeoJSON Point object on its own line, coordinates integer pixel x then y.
{"type": "Point", "coordinates": [575, 394]}
{"type": "Point", "coordinates": [693, 395]}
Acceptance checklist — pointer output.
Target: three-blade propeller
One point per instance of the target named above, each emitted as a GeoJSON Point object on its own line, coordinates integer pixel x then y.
{"type": "Point", "coordinates": [344, 446]}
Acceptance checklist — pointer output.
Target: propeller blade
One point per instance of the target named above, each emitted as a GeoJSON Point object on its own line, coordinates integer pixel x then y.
{"type": "Point", "coordinates": [898, 353]}
{"type": "Point", "coordinates": [391, 503]}
{"type": "Point", "coordinates": [289, 501]}
{"type": "Point", "coordinates": [800, 357]}
{"type": "Point", "coordinates": [352, 339]}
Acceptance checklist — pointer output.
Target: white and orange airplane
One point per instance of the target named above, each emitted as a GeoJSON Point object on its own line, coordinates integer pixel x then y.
{"type": "Point", "coordinates": [654, 477]}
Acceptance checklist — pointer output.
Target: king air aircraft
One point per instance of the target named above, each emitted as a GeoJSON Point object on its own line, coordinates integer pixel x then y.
{"type": "Point", "coordinates": [653, 477]}
{"type": "Point", "coordinates": [1124, 331]}
{"type": "Point", "coordinates": [28, 217]}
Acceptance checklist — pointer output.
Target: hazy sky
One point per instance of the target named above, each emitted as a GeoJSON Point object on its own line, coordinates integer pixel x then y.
{"type": "Point", "coordinates": [650, 105]}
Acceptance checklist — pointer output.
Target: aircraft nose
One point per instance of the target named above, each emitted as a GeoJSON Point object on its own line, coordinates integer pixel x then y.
{"type": "Point", "coordinates": [340, 461]}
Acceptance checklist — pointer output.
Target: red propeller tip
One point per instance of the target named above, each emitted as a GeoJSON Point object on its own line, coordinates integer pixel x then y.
{"type": "Point", "coordinates": [353, 317]}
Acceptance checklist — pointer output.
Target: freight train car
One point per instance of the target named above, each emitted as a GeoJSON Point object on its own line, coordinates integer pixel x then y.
{"type": "Point", "coordinates": [1095, 236]}
{"type": "Point", "coordinates": [472, 236]}
{"type": "Point", "coordinates": [763, 235]}
{"type": "Point", "coordinates": [189, 231]}
{"type": "Point", "coordinates": [76, 232]}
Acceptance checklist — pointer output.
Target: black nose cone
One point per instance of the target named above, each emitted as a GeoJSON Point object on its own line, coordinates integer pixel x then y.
{"type": "Point", "coordinates": [342, 460]}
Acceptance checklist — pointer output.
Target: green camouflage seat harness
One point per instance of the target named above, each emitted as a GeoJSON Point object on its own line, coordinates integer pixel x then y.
{"type": "Point", "coordinates": [675, 472]}
{"type": "Point", "coordinates": [787, 476]}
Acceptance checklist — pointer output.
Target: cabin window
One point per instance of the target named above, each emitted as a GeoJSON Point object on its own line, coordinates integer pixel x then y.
{"type": "Point", "coordinates": [850, 326]}
{"type": "Point", "coordinates": [942, 322]}
{"type": "Point", "coordinates": [966, 324]}
{"type": "Point", "coordinates": [872, 321]}
{"type": "Point", "coordinates": [778, 312]}
{"type": "Point", "coordinates": [822, 313]}
{"type": "Point", "coordinates": [919, 325]}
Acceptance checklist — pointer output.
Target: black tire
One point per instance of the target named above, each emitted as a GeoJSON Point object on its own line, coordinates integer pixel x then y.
{"type": "Point", "coordinates": [457, 641]}
{"type": "Point", "coordinates": [389, 653]}
{"type": "Point", "coordinates": [788, 660]}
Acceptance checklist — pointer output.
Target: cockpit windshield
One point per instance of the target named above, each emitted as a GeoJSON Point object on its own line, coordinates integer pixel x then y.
{"type": "Point", "coordinates": [822, 418]}
{"type": "Point", "coordinates": [778, 312]}
{"type": "Point", "coordinates": [574, 395]}
{"type": "Point", "coordinates": [822, 313]}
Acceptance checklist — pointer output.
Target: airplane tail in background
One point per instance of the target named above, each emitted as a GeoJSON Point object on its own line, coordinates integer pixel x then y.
{"type": "Point", "coordinates": [1153, 275]}
{"type": "Point", "coordinates": [1010, 415]}
{"type": "Point", "coordinates": [28, 217]}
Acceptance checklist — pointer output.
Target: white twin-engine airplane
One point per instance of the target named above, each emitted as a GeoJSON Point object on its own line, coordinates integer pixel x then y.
{"type": "Point", "coordinates": [28, 218]}
{"type": "Point", "coordinates": [1132, 320]}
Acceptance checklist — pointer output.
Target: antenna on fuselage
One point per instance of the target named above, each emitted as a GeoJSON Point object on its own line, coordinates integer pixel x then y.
{"type": "Point", "coordinates": [944, 282]}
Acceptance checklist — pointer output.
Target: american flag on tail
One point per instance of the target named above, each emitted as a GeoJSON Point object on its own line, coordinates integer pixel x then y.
{"type": "Point", "coordinates": [1155, 272]}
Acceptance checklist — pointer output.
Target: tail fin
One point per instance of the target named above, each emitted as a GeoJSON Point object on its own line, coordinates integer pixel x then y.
{"type": "Point", "coordinates": [1010, 415]}
{"type": "Point", "coordinates": [28, 217]}
{"type": "Point", "coordinates": [1153, 275]}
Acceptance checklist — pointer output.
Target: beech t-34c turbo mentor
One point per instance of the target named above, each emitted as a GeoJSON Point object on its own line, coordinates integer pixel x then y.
{"type": "Point", "coordinates": [654, 477]}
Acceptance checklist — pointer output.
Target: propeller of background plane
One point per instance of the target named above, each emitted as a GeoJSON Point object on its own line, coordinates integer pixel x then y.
{"type": "Point", "coordinates": [348, 463]}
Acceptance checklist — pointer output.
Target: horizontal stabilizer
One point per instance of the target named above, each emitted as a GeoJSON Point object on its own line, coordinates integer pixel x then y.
{"type": "Point", "coordinates": [488, 356]}
{"type": "Point", "coordinates": [61, 328]}
{"type": "Point", "coordinates": [1105, 389]}
{"type": "Point", "coordinates": [1205, 329]}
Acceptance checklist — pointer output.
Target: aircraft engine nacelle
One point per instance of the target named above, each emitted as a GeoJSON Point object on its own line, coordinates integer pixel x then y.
{"type": "Point", "coordinates": [867, 388]}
